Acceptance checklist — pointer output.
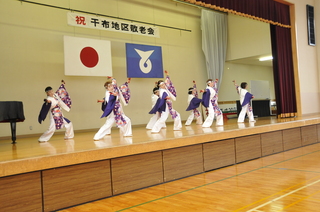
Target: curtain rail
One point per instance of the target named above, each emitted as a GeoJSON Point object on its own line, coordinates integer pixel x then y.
{"type": "Point", "coordinates": [92, 13]}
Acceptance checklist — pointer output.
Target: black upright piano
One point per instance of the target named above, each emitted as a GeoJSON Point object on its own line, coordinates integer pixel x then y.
{"type": "Point", "coordinates": [11, 112]}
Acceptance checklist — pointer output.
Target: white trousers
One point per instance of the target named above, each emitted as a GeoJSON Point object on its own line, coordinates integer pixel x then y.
{"type": "Point", "coordinates": [161, 122]}
{"type": "Point", "coordinates": [52, 128]}
{"type": "Point", "coordinates": [153, 121]}
{"type": "Point", "coordinates": [210, 118]}
{"type": "Point", "coordinates": [244, 111]}
{"type": "Point", "coordinates": [191, 117]}
{"type": "Point", "coordinates": [126, 130]}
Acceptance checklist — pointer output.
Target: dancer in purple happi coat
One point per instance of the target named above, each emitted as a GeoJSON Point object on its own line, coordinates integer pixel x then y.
{"type": "Point", "coordinates": [112, 109]}
{"type": "Point", "coordinates": [167, 92]}
{"type": "Point", "coordinates": [193, 104]}
{"type": "Point", "coordinates": [245, 99]}
{"type": "Point", "coordinates": [53, 104]}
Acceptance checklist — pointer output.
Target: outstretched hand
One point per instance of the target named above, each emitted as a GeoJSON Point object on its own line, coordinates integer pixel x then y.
{"type": "Point", "coordinates": [129, 79]}
{"type": "Point", "coordinates": [166, 72]}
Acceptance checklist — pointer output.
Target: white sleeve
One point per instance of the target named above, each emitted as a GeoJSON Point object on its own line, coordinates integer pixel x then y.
{"type": "Point", "coordinates": [62, 104]}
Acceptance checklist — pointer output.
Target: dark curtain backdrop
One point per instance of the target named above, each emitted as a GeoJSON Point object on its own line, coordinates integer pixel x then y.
{"type": "Point", "coordinates": [278, 15]}
{"type": "Point", "coordinates": [263, 10]}
{"type": "Point", "coordinates": [283, 71]}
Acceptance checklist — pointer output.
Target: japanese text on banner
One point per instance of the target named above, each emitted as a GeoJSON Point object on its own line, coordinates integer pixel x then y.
{"type": "Point", "coordinates": [93, 22]}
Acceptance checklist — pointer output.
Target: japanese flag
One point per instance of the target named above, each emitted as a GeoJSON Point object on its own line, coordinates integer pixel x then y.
{"type": "Point", "coordinates": [87, 57]}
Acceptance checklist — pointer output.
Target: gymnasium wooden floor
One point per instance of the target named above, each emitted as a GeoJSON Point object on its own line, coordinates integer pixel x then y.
{"type": "Point", "coordinates": [287, 181]}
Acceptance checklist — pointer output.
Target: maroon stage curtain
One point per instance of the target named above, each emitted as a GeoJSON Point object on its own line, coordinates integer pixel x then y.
{"type": "Point", "coordinates": [278, 16]}
{"type": "Point", "coordinates": [283, 71]}
{"type": "Point", "coordinates": [263, 10]}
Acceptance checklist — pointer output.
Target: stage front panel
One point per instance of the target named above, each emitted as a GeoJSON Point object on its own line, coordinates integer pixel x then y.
{"type": "Point", "coordinates": [271, 143]}
{"type": "Point", "coordinates": [318, 132]}
{"type": "Point", "coordinates": [248, 148]}
{"type": "Point", "coordinates": [219, 154]}
{"type": "Point", "coordinates": [136, 171]}
{"type": "Point", "coordinates": [292, 138]}
{"type": "Point", "coordinates": [309, 135]}
{"type": "Point", "coordinates": [182, 162]}
{"type": "Point", "coordinates": [21, 192]}
{"type": "Point", "coordinates": [72, 185]}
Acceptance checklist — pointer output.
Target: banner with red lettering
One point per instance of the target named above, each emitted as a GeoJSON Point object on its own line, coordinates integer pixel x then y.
{"type": "Point", "coordinates": [94, 22]}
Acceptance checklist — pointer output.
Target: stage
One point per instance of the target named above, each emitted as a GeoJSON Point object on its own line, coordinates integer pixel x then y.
{"type": "Point", "coordinates": [50, 174]}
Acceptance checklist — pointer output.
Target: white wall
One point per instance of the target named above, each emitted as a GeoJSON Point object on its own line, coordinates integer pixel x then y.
{"type": "Point", "coordinates": [243, 73]}
{"type": "Point", "coordinates": [247, 37]}
{"type": "Point", "coordinates": [31, 56]}
{"type": "Point", "coordinates": [317, 21]}
{"type": "Point", "coordinates": [308, 57]}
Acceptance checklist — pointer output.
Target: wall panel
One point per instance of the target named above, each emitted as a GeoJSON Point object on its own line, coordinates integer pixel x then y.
{"type": "Point", "coordinates": [247, 148]}
{"type": "Point", "coordinates": [271, 143]}
{"type": "Point", "coordinates": [72, 185]}
{"type": "Point", "coordinates": [182, 162]}
{"type": "Point", "coordinates": [291, 138]}
{"type": "Point", "coordinates": [136, 171]}
{"type": "Point", "coordinates": [21, 192]}
{"type": "Point", "coordinates": [219, 154]}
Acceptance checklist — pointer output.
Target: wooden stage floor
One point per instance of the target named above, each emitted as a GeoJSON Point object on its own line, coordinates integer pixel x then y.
{"type": "Point", "coordinates": [29, 155]}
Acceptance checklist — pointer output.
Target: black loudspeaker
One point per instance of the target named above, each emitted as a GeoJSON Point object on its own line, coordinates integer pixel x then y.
{"type": "Point", "coordinates": [311, 26]}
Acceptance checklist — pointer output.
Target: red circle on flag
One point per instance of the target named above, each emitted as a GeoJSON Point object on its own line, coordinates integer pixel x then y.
{"type": "Point", "coordinates": [89, 57]}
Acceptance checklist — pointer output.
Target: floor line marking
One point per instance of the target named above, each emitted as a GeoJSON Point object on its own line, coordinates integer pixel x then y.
{"type": "Point", "coordinates": [279, 192]}
{"type": "Point", "coordinates": [298, 201]}
{"type": "Point", "coordinates": [282, 196]}
{"type": "Point", "coordinates": [218, 181]}
{"type": "Point", "coordinates": [299, 170]}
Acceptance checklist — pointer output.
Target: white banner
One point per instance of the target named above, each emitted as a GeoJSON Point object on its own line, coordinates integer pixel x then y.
{"type": "Point", "coordinates": [114, 25]}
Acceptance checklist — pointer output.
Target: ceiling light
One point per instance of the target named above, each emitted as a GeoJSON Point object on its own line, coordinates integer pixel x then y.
{"type": "Point", "coordinates": [265, 58]}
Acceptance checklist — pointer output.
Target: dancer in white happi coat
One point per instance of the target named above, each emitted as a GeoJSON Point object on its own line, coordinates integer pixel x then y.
{"type": "Point", "coordinates": [112, 109]}
{"type": "Point", "coordinates": [193, 104]}
{"type": "Point", "coordinates": [245, 98]}
{"type": "Point", "coordinates": [167, 93]}
{"type": "Point", "coordinates": [156, 116]}
{"type": "Point", "coordinates": [210, 101]}
{"type": "Point", "coordinates": [53, 103]}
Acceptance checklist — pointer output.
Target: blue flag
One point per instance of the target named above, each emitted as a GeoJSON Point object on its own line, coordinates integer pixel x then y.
{"type": "Point", "coordinates": [144, 61]}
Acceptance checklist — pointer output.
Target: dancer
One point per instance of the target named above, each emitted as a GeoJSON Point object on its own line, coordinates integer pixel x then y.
{"type": "Point", "coordinates": [245, 98]}
{"type": "Point", "coordinates": [112, 109]}
{"type": "Point", "coordinates": [164, 106]}
{"type": "Point", "coordinates": [193, 104]}
{"type": "Point", "coordinates": [156, 116]}
{"type": "Point", "coordinates": [53, 103]}
{"type": "Point", "coordinates": [210, 101]}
